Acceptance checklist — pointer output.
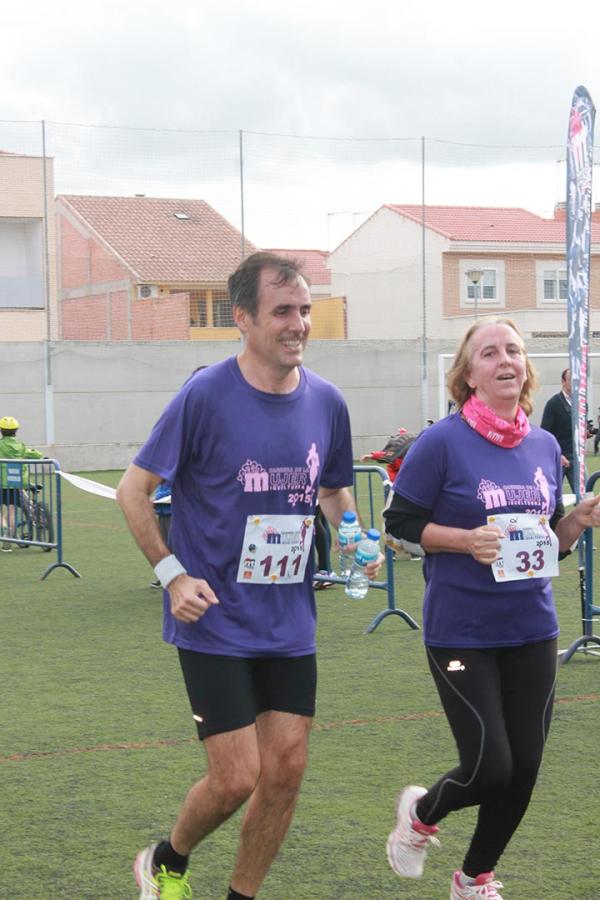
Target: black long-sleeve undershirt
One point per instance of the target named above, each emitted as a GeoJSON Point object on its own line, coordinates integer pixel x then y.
{"type": "Point", "coordinates": [406, 521]}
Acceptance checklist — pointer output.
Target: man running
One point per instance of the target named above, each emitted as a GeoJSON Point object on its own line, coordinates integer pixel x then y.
{"type": "Point", "coordinates": [248, 444]}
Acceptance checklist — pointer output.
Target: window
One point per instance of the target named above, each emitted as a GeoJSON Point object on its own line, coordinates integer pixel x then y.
{"type": "Point", "coordinates": [198, 317]}
{"type": "Point", "coordinates": [486, 289]}
{"type": "Point", "coordinates": [21, 264]}
{"type": "Point", "coordinates": [205, 302]}
{"type": "Point", "coordinates": [222, 313]}
{"type": "Point", "coordinates": [552, 285]}
{"type": "Point", "coordinates": [489, 292]}
{"type": "Point", "coordinates": [555, 284]}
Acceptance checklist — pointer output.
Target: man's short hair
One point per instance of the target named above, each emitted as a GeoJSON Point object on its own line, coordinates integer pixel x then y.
{"type": "Point", "coordinates": [243, 283]}
{"type": "Point", "coordinates": [564, 373]}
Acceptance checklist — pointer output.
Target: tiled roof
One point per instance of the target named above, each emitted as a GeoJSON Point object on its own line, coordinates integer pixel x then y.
{"type": "Point", "coordinates": [160, 247]}
{"type": "Point", "coordinates": [477, 223]}
{"type": "Point", "coordinates": [314, 263]}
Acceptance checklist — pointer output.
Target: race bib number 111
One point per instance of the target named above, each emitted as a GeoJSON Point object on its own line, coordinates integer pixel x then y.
{"type": "Point", "coordinates": [275, 549]}
{"type": "Point", "coordinates": [528, 547]}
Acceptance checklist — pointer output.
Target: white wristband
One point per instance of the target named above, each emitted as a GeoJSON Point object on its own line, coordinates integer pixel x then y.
{"type": "Point", "coordinates": [168, 569]}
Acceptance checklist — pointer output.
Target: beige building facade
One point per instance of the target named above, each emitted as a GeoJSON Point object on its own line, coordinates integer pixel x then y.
{"type": "Point", "coordinates": [28, 307]}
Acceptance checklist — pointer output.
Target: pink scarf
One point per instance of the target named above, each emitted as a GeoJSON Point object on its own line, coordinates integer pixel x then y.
{"type": "Point", "coordinates": [493, 428]}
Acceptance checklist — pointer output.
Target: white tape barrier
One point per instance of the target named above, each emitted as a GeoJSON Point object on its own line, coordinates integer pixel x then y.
{"type": "Point", "coordinates": [95, 487]}
{"type": "Point", "coordinates": [103, 490]}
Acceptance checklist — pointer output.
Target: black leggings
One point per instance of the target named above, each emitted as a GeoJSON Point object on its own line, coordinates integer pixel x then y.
{"type": "Point", "coordinates": [499, 704]}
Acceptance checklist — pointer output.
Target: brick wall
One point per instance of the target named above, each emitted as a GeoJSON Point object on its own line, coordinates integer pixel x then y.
{"type": "Point", "coordinates": [119, 316]}
{"type": "Point", "coordinates": [85, 262]}
{"type": "Point", "coordinates": [520, 281]}
{"type": "Point", "coordinates": [164, 318]}
{"type": "Point", "coordinates": [105, 312]}
{"type": "Point", "coordinates": [450, 283]}
{"type": "Point", "coordinates": [85, 319]}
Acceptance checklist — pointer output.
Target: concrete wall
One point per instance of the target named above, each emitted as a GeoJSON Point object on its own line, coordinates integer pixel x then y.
{"type": "Point", "coordinates": [107, 396]}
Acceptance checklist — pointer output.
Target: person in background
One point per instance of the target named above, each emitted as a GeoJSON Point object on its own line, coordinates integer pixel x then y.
{"type": "Point", "coordinates": [392, 455]}
{"type": "Point", "coordinates": [323, 550]}
{"type": "Point", "coordinates": [556, 419]}
{"type": "Point", "coordinates": [163, 517]}
{"type": "Point", "coordinates": [11, 448]}
{"type": "Point", "coordinates": [489, 621]}
{"type": "Point", "coordinates": [394, 451]}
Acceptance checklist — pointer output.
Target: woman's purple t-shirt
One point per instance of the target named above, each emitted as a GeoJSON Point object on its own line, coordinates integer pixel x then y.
{"type": "Point", "coordinates": [462, 478]}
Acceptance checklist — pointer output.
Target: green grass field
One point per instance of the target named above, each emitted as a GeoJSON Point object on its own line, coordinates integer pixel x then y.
{"type": "Point", "coordinates": [97, 746]}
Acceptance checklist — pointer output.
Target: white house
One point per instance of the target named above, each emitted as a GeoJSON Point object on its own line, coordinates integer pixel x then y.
{"type": "Point", "coordinates": [518, 256]}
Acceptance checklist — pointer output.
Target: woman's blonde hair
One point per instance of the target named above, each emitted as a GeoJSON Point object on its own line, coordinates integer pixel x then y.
{"type": "Point", "coordinates": [456, 377]}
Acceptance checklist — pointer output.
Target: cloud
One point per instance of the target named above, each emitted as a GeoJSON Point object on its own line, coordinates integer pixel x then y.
{"type": "Point", "coordinates": [382, 70]}
{"type": "Point", "coordinates": [367, 80]}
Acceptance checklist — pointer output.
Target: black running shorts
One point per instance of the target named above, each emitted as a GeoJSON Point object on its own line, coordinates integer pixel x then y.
{"type": "Point", "coordinates": [227, 692]}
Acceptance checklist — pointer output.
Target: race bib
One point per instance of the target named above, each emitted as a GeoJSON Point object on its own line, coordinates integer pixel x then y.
{"type": "Point", "coordinates": [275, 549]}
{"type": "Point", "coordinates": [528, 548]}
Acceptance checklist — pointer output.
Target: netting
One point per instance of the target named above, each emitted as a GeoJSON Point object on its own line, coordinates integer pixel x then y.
{"type": "Point", "coordinates": [95, 269]}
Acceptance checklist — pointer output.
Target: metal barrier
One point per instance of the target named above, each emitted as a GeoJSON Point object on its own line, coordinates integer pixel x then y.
{"type": "Point", "coordinates": [30, 508]}
{"type": "Point", "coordinates": [586, 587]}
{"type": "Point", "coordinates": [372, 515]}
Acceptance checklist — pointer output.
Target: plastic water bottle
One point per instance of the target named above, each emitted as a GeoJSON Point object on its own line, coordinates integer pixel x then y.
{"type": "Point", "coordinates": [366, 552]}
{"type": "Point", "coordinates": [349, 532]}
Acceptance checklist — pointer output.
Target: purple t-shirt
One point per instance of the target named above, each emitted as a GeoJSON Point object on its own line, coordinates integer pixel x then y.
{"type": "Point", "coordinates": [460, 476]}
{"type": "Point", "coordinates": [231, 451]}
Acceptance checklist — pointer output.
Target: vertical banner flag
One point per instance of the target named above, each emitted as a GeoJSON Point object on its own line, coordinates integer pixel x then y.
{"type": "Point", "coordinates": [580, 152]}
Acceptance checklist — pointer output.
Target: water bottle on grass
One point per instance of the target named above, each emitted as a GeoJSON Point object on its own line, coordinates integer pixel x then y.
{"type": "Point", "coordinates": [349, 532]}
{"type": "Point", "coordinates": [366, 552]}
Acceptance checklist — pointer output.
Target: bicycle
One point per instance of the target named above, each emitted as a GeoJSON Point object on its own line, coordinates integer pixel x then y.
{"type": "Point", "coordinates": [34, 520]}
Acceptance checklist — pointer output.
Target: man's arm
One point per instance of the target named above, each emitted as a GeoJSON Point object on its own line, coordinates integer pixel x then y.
{"type": "Point", "coordinates": [335, 502]}
{"type": "Point", "coordinates": [190, 597]}
{"type": "Point", "coordinates": [30, 453]}
{"type": "Point", "coordinates": [133, 496]}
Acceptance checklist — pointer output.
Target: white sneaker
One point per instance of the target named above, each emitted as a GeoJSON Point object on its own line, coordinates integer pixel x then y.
{"type": "Point", "coordinates": [485, 887]}
{"type": "Point", "coordinates": [407, 844]}
{"type": "Point", "coordinates": [144, 876]}
{"type": "Point", "coordinates": [162, 883]}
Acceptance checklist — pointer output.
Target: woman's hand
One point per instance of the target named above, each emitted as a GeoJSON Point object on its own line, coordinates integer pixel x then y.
{"type": "Point", "coordinates": [587, 512]}
{"type": "Point", "coordinates": [483, 543]}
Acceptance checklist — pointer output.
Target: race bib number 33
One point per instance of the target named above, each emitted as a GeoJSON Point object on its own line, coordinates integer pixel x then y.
{"type": "Point", "coordinates": [275, 549]}
{"type": "Point", "coordinates": [528, 547]}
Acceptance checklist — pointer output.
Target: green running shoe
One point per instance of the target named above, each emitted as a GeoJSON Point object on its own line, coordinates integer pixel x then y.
{"type": "Point", "coordinates": [161, 885]}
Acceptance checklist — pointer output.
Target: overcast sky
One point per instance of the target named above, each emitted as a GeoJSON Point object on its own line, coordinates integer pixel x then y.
{"type": "Point", "coordinates": [462, 73]}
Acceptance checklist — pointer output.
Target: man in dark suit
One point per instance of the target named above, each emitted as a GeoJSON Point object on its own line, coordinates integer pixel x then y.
{"type": "Point", "coordinates": [556, 419]}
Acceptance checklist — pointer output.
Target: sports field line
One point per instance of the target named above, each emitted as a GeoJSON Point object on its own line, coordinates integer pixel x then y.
{"type": "Point", "coordinates": [319, 726]}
